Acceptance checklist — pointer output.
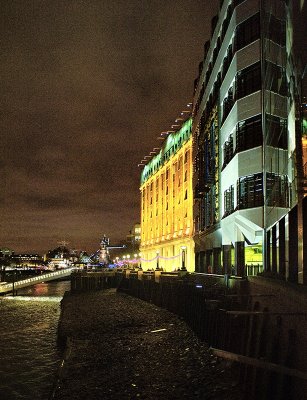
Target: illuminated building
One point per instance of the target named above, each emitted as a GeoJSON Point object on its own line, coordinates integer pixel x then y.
{"type": "Point", "coordinates": [26, 260]}
{"type": "Point", "coordinates": [133, 239]}
{"type": "Point", "coordinates": [167, 203]}
{"type": "Point", "coordinates": [245, 142]}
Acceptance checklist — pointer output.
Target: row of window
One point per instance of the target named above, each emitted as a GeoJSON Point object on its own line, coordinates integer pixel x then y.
{"type": "Point", "coordinates": [250, 192]}
{"type": "Point", "coordinates": [249, 135]}
{"type": "Point", "coordinates": [165, 157]}
{"type": "Point", "coordinates": [246, 32]}
{"type": "Point", "coordinates": [248, 81]}
{"type": "Point", "coordinates": [209, 210]}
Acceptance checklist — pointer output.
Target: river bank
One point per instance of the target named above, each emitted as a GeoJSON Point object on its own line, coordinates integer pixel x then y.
{"type": "Point", "coordinates": [120, 347]}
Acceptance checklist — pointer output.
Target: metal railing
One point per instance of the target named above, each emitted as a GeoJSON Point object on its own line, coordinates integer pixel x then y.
{"type": "Point", "coordinates": [11, 287]}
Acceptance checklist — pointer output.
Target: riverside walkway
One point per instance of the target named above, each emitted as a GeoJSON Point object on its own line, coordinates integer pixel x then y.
{"type": "Point", "coordinates": [119, 347]}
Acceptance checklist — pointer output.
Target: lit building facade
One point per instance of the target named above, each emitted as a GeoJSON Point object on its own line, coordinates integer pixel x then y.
{"type": "Point", "coordinates": [245, 145]}
{"type": "Point", "coordinates": [167, 204]}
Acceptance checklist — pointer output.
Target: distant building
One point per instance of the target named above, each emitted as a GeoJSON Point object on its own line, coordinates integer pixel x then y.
{"type": "Point", "coordinates": [5, 252]}
{"type": "Point", "coordinates": [26, 260]}
{"type": "Point", "coordinates": [133, 239]}
{"type": "Point", "coordinates": [167, 204]}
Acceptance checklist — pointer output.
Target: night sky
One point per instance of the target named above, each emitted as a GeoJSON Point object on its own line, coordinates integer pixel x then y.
{"type": "Point", "coordinates": [86, 88]}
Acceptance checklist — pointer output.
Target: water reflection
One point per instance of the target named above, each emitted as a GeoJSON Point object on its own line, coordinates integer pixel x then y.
{"type": "Point", "coordinates": [28, 328]}
{"type": "Point", "coordinates": [46, 289]}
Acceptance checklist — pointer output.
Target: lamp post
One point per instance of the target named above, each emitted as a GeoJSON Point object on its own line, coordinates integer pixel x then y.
{"type": "Point", "coordinates": [157, 252]}
{"type": "Point", "coordinates": [128, 257]}
{"type": "Point", "coordinates": [124, 258]}
{"type": "Point", "coordinates": [183, 255]}
{"type": "Point", "coordinates": [140, 266]}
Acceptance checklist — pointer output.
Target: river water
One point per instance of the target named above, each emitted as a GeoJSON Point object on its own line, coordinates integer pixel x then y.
{"type": "Point", "coordinates": [29, 357]}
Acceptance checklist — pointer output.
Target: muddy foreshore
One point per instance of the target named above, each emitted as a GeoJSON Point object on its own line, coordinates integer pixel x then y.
{"type": "Point", "coordinates": [119, 347]}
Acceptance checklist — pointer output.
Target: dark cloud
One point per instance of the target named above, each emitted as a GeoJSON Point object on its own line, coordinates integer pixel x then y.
{"type": "Point", "coordinates": [87, 86]}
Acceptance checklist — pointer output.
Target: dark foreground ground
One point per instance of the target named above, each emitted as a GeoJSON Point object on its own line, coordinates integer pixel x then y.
{"type": "Point", "coordinates": [123, 348]}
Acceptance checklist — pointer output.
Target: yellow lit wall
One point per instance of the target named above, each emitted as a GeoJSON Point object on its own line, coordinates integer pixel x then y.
{"type": "Point", "coordinates": [167, 206]}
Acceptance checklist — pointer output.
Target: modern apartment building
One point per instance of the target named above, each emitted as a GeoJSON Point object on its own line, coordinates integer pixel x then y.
{"type": "Point", "coordinates": [167, 204]}
{"type": "Point", "coordinates": [244, 140]}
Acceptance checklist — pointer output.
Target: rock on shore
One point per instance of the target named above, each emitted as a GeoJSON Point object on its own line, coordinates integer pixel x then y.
{"type": "Point", "coordinates": [120, 347]}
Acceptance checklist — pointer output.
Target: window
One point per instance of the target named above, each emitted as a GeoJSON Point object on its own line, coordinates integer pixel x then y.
{"type": "Point", "coordinates": [227, 61]}
{"type": "Point", "coordinates": [248, 80]}
{"type": "Point", "coordinates": [229, 201]}
{"type": "Point", "coordinates": [185, 195]}
{"type": "Point", "coordinates": [249, 133]}
{"type": "Point", "coordinates": [276, 30]}
{"type": "Point", "coordinates": [276, 132]}
{"type": "Point", "coordinates": [250, 191]}
{"type": "Point", "coordinates": [228, 151]}
{"type": "Point", "coordinates": [247, 32]}
{"type": "Point", "coordinates": [276, 80]}
{"type": "Point", "coordinates": [228, 103]}
{"type": "Point", "coordinates": [277, 190]}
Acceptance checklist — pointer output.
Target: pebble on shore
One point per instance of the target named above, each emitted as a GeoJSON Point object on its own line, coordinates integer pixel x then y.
{"type": "Point", "coordinates": [120, 347]}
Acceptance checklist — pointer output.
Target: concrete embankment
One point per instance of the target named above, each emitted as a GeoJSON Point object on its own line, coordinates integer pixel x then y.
{"type": "Point", "coordinates": [120, 347]}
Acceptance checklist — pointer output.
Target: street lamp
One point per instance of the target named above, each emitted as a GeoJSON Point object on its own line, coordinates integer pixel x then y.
{"type": "Point", "coordinates": [157, 252]}
{"type": "Point", "coordinates": [128, 257]}
{"type": "Point", "coordinates": [183, 254]}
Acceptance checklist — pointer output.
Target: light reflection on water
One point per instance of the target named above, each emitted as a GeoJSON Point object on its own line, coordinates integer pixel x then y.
{"type": "Point", "coordinates": [28, 352]}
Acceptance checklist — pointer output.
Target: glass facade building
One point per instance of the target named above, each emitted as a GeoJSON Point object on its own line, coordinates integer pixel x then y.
{"type": "Point", "coordinates": [245, 146]}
